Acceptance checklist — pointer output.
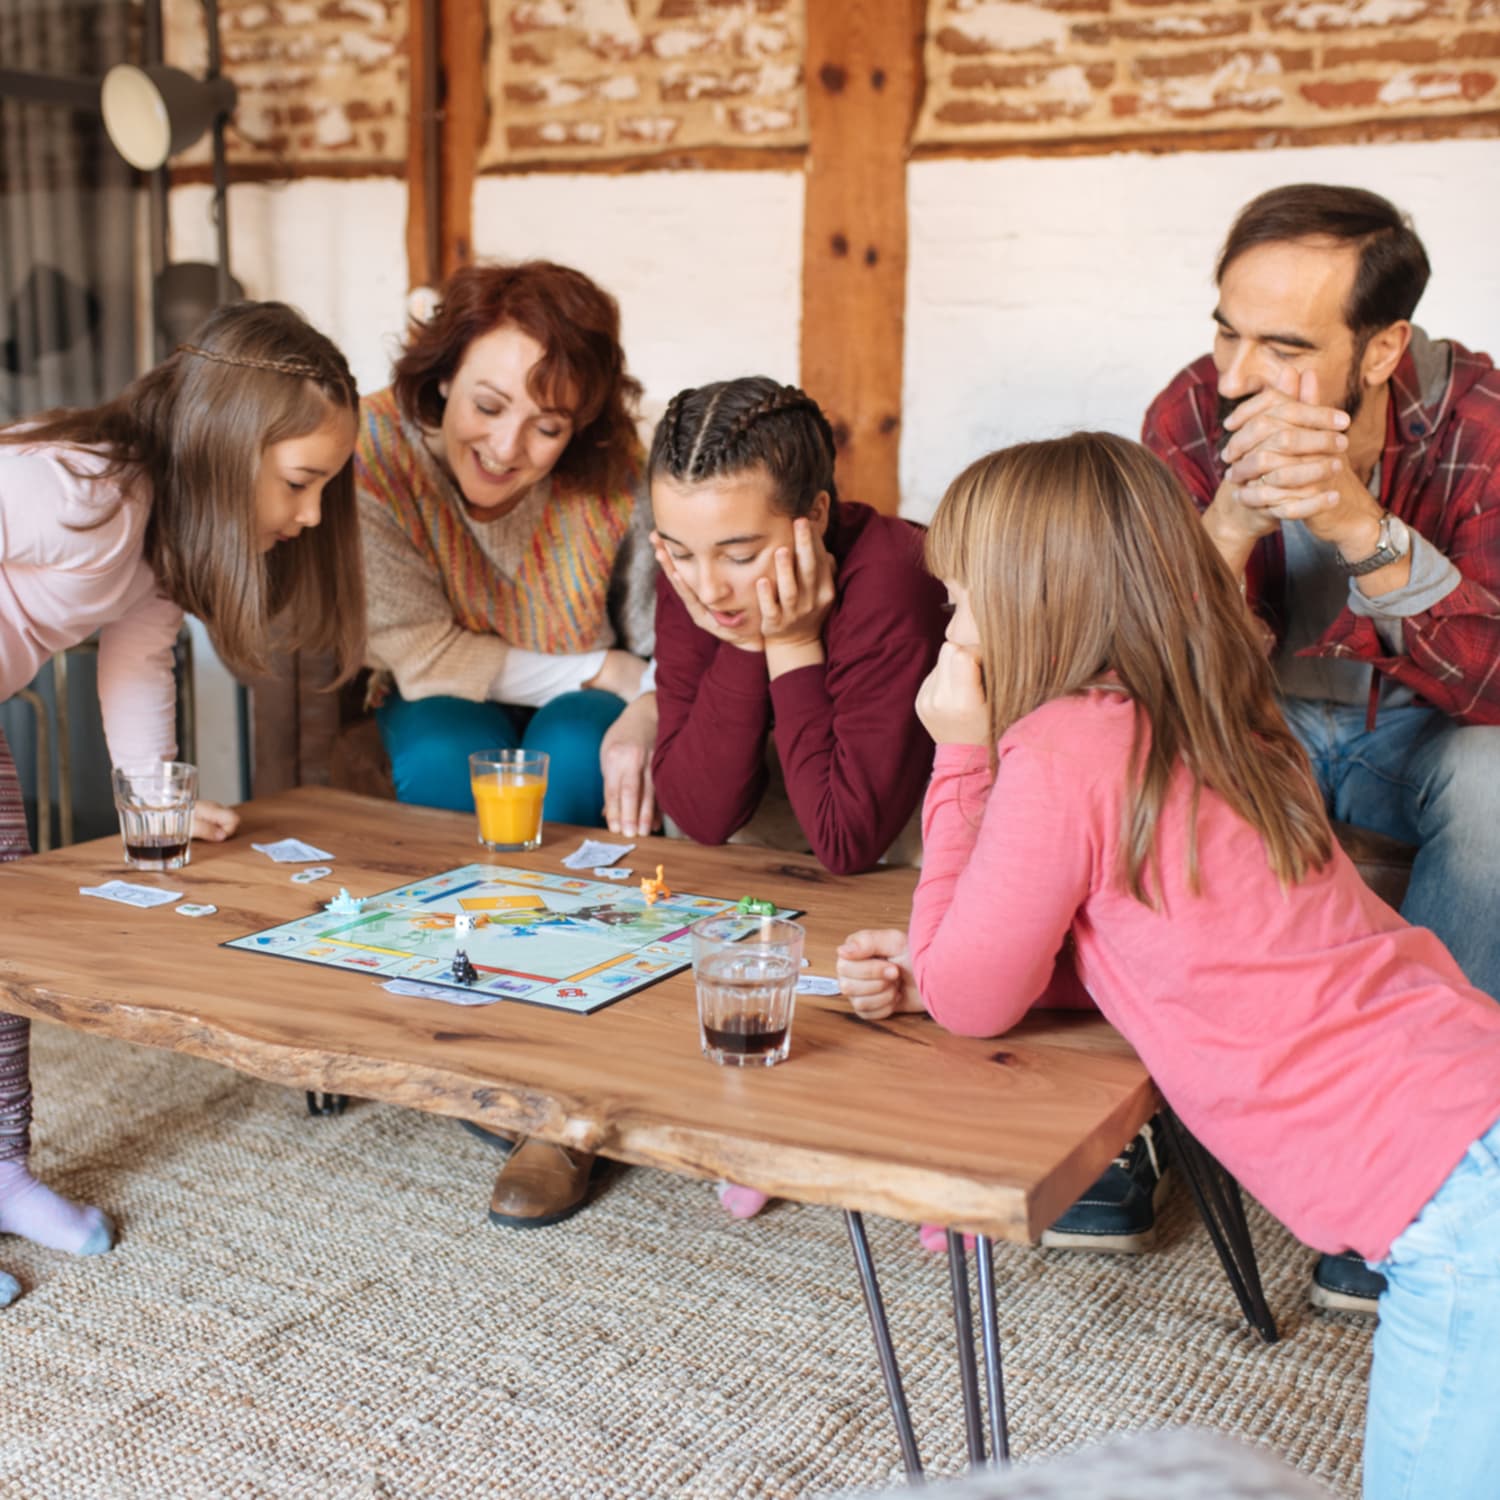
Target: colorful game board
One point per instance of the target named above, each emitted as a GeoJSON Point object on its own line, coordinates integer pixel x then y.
{"type": "Point", "coordinates": [538, 937]}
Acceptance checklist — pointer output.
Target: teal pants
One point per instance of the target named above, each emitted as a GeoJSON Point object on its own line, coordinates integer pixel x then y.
{"type": "Point", "coordinates": [430, 740]}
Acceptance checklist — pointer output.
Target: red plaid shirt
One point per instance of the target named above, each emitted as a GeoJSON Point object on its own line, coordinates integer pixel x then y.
{"type": "Point", "coordinates": [1440, 472]}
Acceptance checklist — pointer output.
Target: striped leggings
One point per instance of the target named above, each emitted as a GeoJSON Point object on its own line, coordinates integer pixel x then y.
{"type": "Point", "coordinates": [15, 1031]}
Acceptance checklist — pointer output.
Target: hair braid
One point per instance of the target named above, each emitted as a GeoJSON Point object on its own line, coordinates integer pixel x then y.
{"type": "Point", "coordinates": [726, 428]}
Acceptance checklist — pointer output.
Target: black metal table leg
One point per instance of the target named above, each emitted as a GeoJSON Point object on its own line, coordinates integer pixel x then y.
{"type": "Point", "coordinates": [326, 1104]}
{"type": "Point", "coordinates": [890, 1371]}
{"type": "Point", "coordinates": [989, 1327]}
{"type": "Point", "coordinates": [1222, 1210]}
{"type": "Point", "coordinates": [963, 1323]}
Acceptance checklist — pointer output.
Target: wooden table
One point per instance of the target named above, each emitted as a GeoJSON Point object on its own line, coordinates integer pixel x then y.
{"type": "Point", "coordinates": [996, 1137]}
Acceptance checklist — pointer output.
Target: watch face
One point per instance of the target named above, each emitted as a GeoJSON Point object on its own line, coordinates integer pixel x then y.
{"type": "Point", "coordinates": [1400, 536]}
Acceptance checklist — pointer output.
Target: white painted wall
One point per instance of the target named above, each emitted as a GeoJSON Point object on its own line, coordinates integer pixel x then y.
{"type": "Point", "coordinates": [336, 250]}
{"type": "Point", "coordinates": [1047, 295]}
{"type": "Point", "coordinates": [707, 266]}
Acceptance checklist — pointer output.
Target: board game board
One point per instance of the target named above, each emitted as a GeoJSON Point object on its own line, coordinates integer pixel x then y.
{"type": "Point", "coordinates": [545, 939]}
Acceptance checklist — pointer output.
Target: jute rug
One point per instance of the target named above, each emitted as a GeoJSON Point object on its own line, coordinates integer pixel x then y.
{"type": "Point", "coordinates": [318, 1308]}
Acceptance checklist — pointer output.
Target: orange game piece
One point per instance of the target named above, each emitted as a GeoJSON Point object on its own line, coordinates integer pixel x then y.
{"type": "Point", "coordinates": [653, 890]}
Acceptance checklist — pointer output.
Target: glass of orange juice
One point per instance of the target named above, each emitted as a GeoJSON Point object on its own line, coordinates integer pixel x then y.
{"type": "Point", "coordinates": [509, 786]}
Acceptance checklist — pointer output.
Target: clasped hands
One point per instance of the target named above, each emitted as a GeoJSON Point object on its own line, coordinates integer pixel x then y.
{"type": "Point", "coordinates": [1287, 459]}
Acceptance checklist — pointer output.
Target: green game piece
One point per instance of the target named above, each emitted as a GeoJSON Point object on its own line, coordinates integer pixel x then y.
{"type": "Point", "coordinates": [755, 906]}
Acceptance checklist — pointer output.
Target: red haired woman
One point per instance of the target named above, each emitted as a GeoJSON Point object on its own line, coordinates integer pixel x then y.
{"type": "Point", "coordinates": [509, 575]}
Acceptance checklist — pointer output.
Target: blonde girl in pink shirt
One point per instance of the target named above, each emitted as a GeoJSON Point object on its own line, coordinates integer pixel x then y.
{"type": "Point", "coordinates": [1116, 800]}
{"type": "Point", "coordinates": [218, 484]}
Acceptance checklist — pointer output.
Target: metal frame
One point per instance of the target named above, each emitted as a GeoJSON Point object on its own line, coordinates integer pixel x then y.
{"type": "Point", "coordinates": [975, 1404]}
{"type": "Point", "coordinates": [1222, 1209]}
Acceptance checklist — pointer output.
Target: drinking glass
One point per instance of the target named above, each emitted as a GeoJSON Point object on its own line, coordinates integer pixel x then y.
{"type": "Point", "coordinates": [509, 786]}
{"type": "Point", "coordinates": [155, 801]}
{"type": "Point", "coordinates": [746, 971]}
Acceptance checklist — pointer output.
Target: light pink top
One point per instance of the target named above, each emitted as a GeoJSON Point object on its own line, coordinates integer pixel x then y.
{"type": "Point", "coordinates": [1330, 1055]}
{"type": "Point", "coordinates": [58, 585]}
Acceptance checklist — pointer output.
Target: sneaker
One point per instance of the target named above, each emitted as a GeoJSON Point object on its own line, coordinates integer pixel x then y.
{"type": "Point", "coordinates": [1118, 1214]}
{"type": "Point", "coordinates": [1344, 1283]}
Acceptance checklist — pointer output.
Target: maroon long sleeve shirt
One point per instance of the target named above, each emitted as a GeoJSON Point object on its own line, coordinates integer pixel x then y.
{"type": "Point", "coordinates": [853, 752]}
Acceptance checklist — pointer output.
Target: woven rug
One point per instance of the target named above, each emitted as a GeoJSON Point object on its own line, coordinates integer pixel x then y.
{"type": "Point", "coordinates": [317, 1307]}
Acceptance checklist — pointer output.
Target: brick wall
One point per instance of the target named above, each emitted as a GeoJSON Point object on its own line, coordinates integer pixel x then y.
{"type": "Point", "coordinates": [323, 83]}
{"type": "Point", "coordinates": [590, 80]}
{"type": "Point", "coordinates": [1070, 70]}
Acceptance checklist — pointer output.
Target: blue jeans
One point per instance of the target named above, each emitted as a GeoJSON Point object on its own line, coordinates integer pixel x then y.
{"type": "Point", "coordinates": [1420, 777]}
{"type": "Point", "coordinates": [430, 740]}
{"type": "Point", "coordinates": [1430, 1427]}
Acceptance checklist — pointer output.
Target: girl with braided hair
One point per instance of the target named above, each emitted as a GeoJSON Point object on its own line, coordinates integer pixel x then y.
{"type": "Point", "coordinates": [200, 489]}
{"type": "Point", "coordinates": [787, 621]}
{"type": "Point", "coordinates": [785, 618]}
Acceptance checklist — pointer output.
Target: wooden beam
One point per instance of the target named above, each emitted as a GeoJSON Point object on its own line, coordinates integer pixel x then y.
{"type": "Point", "coordinates": [423, 143]}
{"type": "Point", "coordinates": [864, 82]}
{"type": "Point", "coordinates": [465, 36]}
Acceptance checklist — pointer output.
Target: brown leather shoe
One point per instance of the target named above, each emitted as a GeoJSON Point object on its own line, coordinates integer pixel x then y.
{"type": "Point", "coordinates": [541, 1184]}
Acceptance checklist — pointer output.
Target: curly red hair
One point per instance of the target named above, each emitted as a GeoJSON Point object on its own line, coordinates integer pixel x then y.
{"type": "Point", "coordinates": [576, 322]}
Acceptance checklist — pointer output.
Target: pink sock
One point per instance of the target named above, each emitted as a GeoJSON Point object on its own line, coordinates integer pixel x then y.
{"type": "Point", "coordinates": [934, 1237]}
{"type": "Point", "coordinates": [742, 1202]}
{"type": "Point", "coordinates": [33, 1211]}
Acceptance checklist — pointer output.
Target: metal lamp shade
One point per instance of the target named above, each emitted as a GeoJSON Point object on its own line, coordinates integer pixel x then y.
{"type": "Point", "coordinates": [152, 113]}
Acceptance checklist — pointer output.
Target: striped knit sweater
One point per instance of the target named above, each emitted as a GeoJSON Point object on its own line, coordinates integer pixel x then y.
{"type": "Point", "coordinates": [448, 597]}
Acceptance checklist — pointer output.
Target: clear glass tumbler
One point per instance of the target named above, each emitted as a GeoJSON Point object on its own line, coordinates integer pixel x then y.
{"type": "Point", "coordinates": [746, 970]}
{"type": "Point", "coordinates": [509, 787]}
{"type": "Point", "coordinates": [155, 801]}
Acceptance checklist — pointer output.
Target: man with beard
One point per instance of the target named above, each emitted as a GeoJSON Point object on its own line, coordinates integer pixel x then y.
{"type": "Point", "coordinates": [1348, 470]}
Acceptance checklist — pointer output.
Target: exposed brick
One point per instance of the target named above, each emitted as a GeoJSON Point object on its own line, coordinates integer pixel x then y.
{"type": "Point", "coordinates": [555, 134]}
{"type": "Point", "coordinates": [1188, 64]}
{"type": "Point", "coordinates": [1023, 75]}
{"type": "Point", "coordinates": [1189, 25]}
{"type": "Point", "coordinates": [1428, 88]}
{"type": "Point", "coordinates": [997, 112]}
{"type": "Point", "coordinates": [1415, 50]}
{"type": "Point", "coordinates": [1344, 15]}
{"type": "Point", "coordinates": [652, 130]}
{"type": "Point", "coordinates": [683, 88]}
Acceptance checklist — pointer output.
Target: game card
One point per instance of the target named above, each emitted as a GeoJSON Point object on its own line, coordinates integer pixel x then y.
{"type": "Point", "coordinates": [814, 984]}
{"type": "Point", "coordinates": [292, 852]}
{"type": "Point", "coordinates": [130, 895]}
{"type": "Point", "coordinates": [592, 853]}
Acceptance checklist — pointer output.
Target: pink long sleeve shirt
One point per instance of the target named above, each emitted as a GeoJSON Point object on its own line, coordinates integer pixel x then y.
{"type": "Point", "coordinates": [62, 578]}
{"type": "Point", "coordinates": [1330, 1055]}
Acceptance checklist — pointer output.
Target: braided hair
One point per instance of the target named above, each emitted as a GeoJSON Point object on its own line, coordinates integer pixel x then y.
{"type": "Point", "coordinates": [712, 431]}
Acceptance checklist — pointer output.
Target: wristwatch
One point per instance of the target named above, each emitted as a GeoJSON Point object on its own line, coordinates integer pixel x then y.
{"type": "Point", "coordinates": [1393, 544]}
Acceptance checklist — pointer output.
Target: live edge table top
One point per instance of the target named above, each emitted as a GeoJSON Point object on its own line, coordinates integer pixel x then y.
{"type": "Point", "coordinates": [898, 1118]}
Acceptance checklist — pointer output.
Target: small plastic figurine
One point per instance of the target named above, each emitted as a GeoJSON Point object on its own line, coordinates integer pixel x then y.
{"type": "Point", "coordinates": [654, 890]}
{"type": "Point", "coordinates": [345, 905]}
{"type": "Point", "coordinates": [463, 971]}
{"type": "Point", "coordinates": [755, 906]}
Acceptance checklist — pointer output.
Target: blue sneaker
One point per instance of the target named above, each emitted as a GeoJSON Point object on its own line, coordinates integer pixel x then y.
{"type": "Point", "coordinates": [1344, 1283]}
{"type": "Point", "coordinates": [1118, 1214]}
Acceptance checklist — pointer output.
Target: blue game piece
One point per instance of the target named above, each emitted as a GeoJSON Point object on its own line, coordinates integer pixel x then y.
{"type": "Point", "coordinates": [345, 905]}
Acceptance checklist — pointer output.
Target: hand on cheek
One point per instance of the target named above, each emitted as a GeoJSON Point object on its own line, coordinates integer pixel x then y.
{"type": "Point", "coordinates": [798, 594]}
{"type": "Point", "coordinates": [951, 702]}
{"type": "Point", "coordinates": [695, 607]}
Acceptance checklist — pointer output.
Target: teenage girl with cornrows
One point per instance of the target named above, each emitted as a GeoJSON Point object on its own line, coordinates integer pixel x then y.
{"type": "Point", "coordinates": [786, 615]}
{"type": "Point", "coordinates": [789, 617]}
{"type": "Point", "coordinates": [199, 489]}
{"type": "Point", "coordinates": [1112, 768]}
